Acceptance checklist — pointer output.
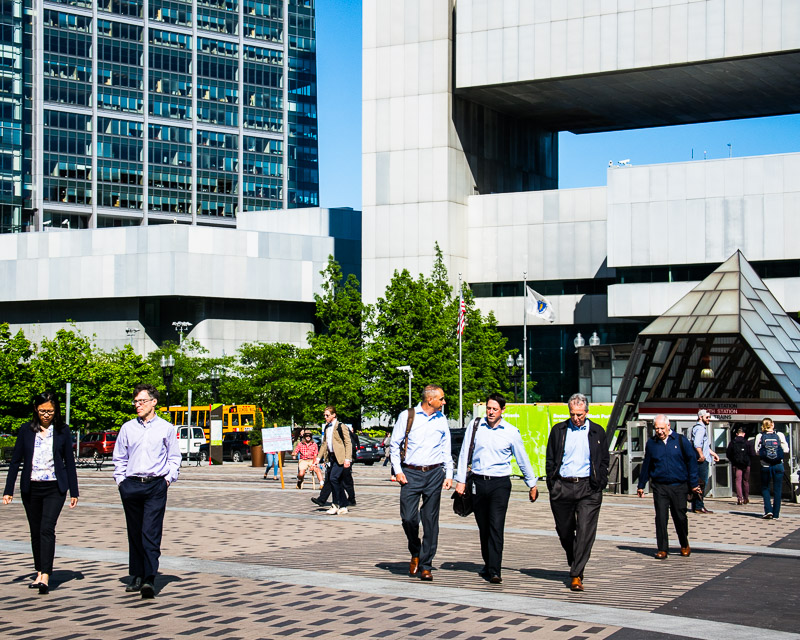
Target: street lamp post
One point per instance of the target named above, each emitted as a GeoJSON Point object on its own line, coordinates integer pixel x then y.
{"type": "Point", "coordinates": [407, 369]}
{"type": "Point", "coordinates": [515, 371]}
{"type": "Point", "coordinates": [167, 369]}
{"type": "Point", "coordinates": [216, 372]}
{"type": "Point", "coordinates": [131, 333]}
{"type": "Point", "coordinates": [181, 326]}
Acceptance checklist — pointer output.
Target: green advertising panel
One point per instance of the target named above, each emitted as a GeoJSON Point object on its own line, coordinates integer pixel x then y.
{"type": "Point", "coordinates": [534, 422]}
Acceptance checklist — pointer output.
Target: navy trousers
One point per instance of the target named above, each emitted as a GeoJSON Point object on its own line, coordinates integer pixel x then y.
{"type": "Point", "coordinates": [427, 486]}
{"type": "Point", "coordinates": [144, 504]}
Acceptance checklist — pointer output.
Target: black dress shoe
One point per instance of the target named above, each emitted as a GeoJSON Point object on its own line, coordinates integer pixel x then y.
{"type": "Point", "coordinates": [495, 579]}
{"type": "Point", "coordinates": [34, 585]}
{"type": "Point", "coordinates": [134, 585]}
{"type": "Point", "coordinates": [318, 502]}
{"type": "Point", "coordinates": [43, 588]}
{"type": "Point", "coordinates": [148, 589]}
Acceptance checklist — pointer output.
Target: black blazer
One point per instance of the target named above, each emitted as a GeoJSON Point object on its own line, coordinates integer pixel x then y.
{"type": "Point", "coordinates": [63, 459]}
{"type": "Point", "coordinates": [598, 454]}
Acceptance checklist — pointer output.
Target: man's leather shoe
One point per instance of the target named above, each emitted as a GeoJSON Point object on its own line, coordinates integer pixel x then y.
{"type": "Point", "coordinates": [318, 502]}
{"type": "Point", "coordinates": [134, 585]}
{"type": "Point", "coordinates": [148, 590]}
{"type": "Point", "coordinates": [686, 551]}
{"type": "Point", "coordinates": [425, 575]}
{"type": "Point", "coordinates": [661, 555]}
{"type": "Point", "coordinates": [706, 510]}
{"type": "Point", "coordinates": [413, 566]}
{"type": "Point", "coordinates": [576, 585]}
{"type": "Point", "coordinates": [495, 579]}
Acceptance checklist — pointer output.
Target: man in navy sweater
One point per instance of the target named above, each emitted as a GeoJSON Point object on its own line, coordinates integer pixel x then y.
{"type": "Point", "coordinates": [670, 464]}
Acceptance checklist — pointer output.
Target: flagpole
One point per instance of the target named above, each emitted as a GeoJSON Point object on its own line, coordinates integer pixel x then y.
{"type": "Point", "coordinates": [460, 370]}
{"type": "Point", "coordinates": [525, 337]}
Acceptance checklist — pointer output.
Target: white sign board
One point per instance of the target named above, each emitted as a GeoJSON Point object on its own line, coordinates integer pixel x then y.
{"type": "Point", "coordinates": [216, 432]}
{"type": "Point", "coordinates": [277, 439]}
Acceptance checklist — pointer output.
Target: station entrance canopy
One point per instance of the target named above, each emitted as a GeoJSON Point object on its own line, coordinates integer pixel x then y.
{"type": "Point", "coordinates": [726, 346]}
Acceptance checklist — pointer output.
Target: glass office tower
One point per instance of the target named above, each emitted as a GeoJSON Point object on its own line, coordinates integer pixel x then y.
{"type": "Point", "coordinates": [162, 111]}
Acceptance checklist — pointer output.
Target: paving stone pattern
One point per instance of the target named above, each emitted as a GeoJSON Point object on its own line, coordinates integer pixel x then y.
{"type": "Point", "coordinates": [89, 599]}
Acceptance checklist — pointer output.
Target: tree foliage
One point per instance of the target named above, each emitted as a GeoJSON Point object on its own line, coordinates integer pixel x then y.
{"type": "Point", "coordinates": [15, 354]}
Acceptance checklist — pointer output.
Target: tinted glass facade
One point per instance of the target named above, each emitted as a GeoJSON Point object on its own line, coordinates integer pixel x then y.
{"type": "Point", "coordinates": [157, 111]}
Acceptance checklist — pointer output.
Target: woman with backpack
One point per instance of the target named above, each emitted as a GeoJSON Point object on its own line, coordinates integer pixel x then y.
{"type": "Point", "coordinates": [739, 452]}
{"type": "Point", "coordinates": [771, 447]}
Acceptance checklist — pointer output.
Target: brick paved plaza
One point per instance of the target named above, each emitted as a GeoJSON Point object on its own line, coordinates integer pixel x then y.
{"type": "Point", "coordinates": [243, 558]}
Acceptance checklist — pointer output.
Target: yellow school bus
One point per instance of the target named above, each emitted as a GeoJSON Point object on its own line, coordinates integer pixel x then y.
{"type": "Point", "coordinates": [235, 417]}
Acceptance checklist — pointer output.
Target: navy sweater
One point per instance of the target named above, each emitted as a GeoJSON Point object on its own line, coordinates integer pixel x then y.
{"type": "Point", "coordinates": [669, 462]}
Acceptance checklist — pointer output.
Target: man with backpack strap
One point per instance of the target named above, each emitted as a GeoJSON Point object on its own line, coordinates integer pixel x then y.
{"type": "Point", "coordinates": [739, 452]}
{"type": "Point", "coordinates": [423, 464]}
{"type": "Point", "coordinates": [702, 444]}
{"type": "Point", "coordinates": [771, 447]}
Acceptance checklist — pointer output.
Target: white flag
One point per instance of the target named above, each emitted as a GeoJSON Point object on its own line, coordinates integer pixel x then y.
{"type": "Point", "coordinates": [539, 307]}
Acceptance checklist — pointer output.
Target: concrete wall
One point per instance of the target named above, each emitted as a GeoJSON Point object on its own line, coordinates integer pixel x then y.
{"type": "Point", "coordinates": [522, 40]}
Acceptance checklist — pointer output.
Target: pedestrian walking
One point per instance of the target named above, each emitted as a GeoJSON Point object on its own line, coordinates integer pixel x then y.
{"type": "Point", "coordinates": [577, 472]}
{"type": "Point", "coordinates": [739, 453]}
{"type": "Point", "coordinates": [489, 443]}
{"type": "Point", "coordinates": [670, 464]}
{"type": "Point", "coordinates": [771, 447]}
{"type": "Point", "coordinates": [422, 463]}
{"type": "Point", "coordinates": [702, 444]}
{"type": "Point", "coordinates": [337, 451]}
{"type": "Point", "coordinates": [44, 448]}
{"type": "Point", "coordinates": [147, 461]}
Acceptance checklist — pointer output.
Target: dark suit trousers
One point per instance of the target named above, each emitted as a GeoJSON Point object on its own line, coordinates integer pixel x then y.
{"type": "Point", "coordinates": [347, 484]}
{"type": "Point", "coordinates": [43, 504]}
{"type": "Point", "coordinates": [490, 504]}
{"type": "Point", "coordinates": [336, 480]}
{"type": "Point", "coordinates": [144, 504]}
{"type": "Point", "coordinates": [670, 498]}
{"type": "Point", "coordinates": [575, 508]}
{"type": "Point", "coordinates": [425, 485]}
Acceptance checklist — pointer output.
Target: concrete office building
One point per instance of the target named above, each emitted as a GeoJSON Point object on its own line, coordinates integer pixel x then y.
{"type": "Point", "coordinates": [462, 104]}
{"type": "Point", "coordinates": [153, 111]}
{"type": "Point", "coordinates": [129, 285]}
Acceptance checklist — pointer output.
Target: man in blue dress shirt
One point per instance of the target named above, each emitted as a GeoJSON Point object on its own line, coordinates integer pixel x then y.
{"type": "Point", "coordinates": [147, 461]}
{"type": "Point", "coordinates": [421, 459]}
{"type": "Point", "coordinates": [495, 442]}
{"type": "Point", "coordinates": [670, 464]}
{"type": "Point", "coordinates": [577, 472]}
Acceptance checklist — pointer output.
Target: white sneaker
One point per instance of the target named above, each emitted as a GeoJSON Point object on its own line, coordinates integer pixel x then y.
{"type": "Point", "coordinates": [333, 510]}
{"type": "Point", "coordinates": [342, 511]}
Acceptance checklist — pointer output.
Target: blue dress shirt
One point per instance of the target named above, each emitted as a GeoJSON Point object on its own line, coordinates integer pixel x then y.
{"type": "Point", "coordinates": [147, 449]}
{"type": "Point", "coordinates": [428, 441]}
{"type": "Point", "coordinates": [576, 462]}
{"type": "Point", "coordinates": [493, 450]}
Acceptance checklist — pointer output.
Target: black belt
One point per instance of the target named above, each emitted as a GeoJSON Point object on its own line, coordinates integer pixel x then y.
{"type": "Point", "coordinates": [574, 479]}
{"type": "Point", "coordinates": [146, 478]}
{"type": "Point", "coordinates": [426, 467]}
{"type": "Point", "coordinates": [477, 475]}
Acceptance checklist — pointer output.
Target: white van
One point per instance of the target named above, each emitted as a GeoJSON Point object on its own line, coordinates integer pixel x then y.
{"type": "Point", "coordinates": [189, 441]}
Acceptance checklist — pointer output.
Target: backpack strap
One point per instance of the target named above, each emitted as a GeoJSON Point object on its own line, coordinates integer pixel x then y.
{"type": "Point", "coordinates": [472, 443]}
{"type": "Point", "coordinates": [409, 424]}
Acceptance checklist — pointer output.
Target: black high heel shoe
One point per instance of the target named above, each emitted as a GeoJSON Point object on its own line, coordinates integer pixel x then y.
{"type": "Point", "coordinates": [43, 588]}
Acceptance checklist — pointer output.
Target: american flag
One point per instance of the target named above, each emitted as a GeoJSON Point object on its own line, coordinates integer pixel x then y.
{"type": "Point", "coordinates": [462, 316]}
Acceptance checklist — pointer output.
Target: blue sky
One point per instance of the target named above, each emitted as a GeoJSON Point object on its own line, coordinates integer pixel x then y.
{"type": "Point", "coordinates": [583, 160]}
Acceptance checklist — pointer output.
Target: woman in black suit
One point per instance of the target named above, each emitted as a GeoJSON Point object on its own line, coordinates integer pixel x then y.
{"type": "Point", "coordinates": [45, 445]}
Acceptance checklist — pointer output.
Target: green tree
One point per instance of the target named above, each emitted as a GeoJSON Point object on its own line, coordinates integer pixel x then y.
{"type": "Point", "coordinates": [414, 324]}
{"type": "Point", "coordinates": [331, 370]}
{"type": "Point", "coordinates": [192, 370]}
{"type": "Point", "coordinates": [15, 379]}
{"type": "Point", "coordinates": [264, 374]}
{"type": "Point", "coordinates": [117, 374]}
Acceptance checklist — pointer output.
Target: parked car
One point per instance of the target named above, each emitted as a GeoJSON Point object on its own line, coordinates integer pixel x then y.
{"type": "Point", "coordinates": [456, 440]}
{"type": "Point", "coordinates": [190, 439]}
{"type": "Point", "coordinates": [235, 447]}
{"type": "Point", "coordinates": [97, 444]}
{"type": "Point", "coordinates": [368, 450]}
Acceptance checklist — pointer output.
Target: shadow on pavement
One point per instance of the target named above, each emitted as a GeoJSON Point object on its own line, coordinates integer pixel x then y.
{"type": "Point", "coordinates": [547, 574]}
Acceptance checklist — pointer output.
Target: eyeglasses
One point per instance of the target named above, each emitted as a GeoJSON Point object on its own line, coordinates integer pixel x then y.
{"type": "Point", "coordinates": [308, 435]}
{"type": "Point", "coordinates": [46, 412]}
{"type": "Point", "coordinates": [139, 401]}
